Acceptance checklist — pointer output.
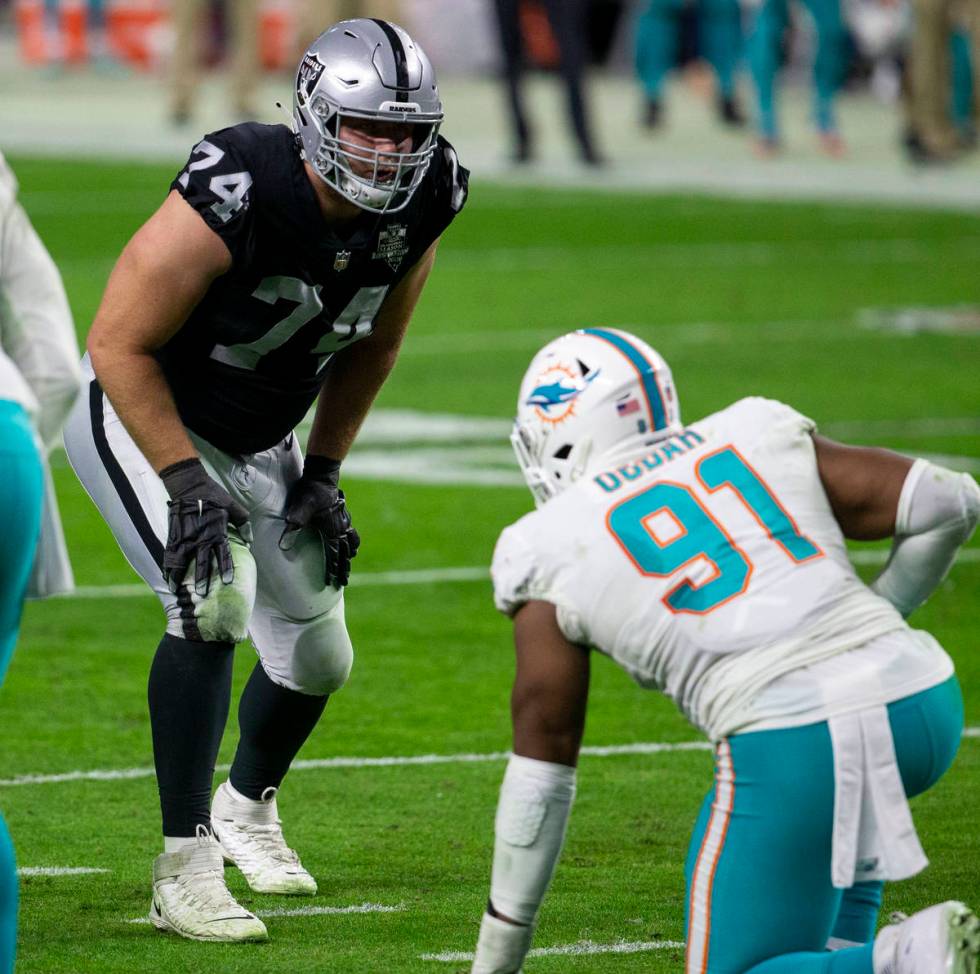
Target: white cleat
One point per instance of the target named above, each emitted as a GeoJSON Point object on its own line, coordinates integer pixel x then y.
{"type": "Point", "coordinates": [943, 939]}
{"type": "Point", "coordinates": [190, 897]}
{"type": "Point", "coordinates": [251, 835]}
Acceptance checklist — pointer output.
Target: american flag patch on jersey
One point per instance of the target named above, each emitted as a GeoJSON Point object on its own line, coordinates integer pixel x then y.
{"type": "Point", "coordinates": [628, 407]}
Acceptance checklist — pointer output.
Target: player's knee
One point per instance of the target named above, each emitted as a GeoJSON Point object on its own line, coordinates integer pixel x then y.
{"type": "Point", "coordinates": [222, 616]}
{"type": "Point", "coordinates": [322, 656]}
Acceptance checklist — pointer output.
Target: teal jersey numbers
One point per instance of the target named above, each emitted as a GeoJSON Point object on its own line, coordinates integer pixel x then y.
{"type": "Point", "coordinates": [667, 528]}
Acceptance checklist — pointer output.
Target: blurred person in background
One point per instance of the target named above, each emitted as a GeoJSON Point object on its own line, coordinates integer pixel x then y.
{"type": "Point", "coordinates": [568, 24]}
{"type": "Point", "coordinates": [313, 14]}
{"type": "Point", "coordinates": [945, 40]}
{"type": "Point", "coordinates": [658, 31]}
{"type": "Point", "coordinates": [764, 49]}
{"type": "Point", "coordinates": [241, 52]}
{"type": "Point", "coordinates": [39, 380]}
{"type": "Point", "coordinates": [282, 270]}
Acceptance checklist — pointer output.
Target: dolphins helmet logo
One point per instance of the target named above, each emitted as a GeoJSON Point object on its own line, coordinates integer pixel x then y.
{"type": "Point", "coordinates": [553, 397]}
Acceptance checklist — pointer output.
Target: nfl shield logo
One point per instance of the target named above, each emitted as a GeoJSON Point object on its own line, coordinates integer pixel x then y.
{"type": "Point", "coordinates": [341, 261]}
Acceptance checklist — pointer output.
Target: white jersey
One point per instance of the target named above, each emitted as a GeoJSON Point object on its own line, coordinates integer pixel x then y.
{"type": "Point", "coordinates": [39, 360]}
{"type": "Point", "coordinates": [711, 567]}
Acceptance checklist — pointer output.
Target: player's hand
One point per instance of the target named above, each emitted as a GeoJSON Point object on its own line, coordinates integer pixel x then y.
{"type": "Point", "coordinates": [316, 502]}
{"type": "Point", "coordinates": [200, 512]}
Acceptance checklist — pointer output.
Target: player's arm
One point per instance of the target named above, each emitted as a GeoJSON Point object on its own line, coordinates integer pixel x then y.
{"type": "Point", "coordinates": [929, 510]}
{"type": "Point", "coordinates": [548, 704]}
{"type": "Point", "coordinates": [160, 277]}
{"type": "Point", "coordinates": [36, 328]}
{"type": "Point", "coordinates": [356, 375]}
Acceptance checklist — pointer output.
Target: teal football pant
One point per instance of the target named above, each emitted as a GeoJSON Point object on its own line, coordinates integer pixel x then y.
{"type": "Point", "coordinates": [759, 863]}
{"type": "Point", "coordinates": [21, 489]}
{"type": "Point", "coordinates": [962, 80]}
{"type": "Point", "coordinates": [658, 35]}
{"type": "Point", "coordinates": [763, 48]}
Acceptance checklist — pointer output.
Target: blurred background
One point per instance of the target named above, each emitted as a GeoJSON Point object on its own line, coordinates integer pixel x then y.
{"type": "Point", "coordinates": [858, 99]}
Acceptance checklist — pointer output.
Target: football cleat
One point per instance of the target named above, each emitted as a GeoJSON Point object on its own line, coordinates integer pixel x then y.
{"type": "Point", "coordinates": [943, 939]}
{"type": "Point", "coordinates": [250, 834]}
{"type": "Point", "coordinates": [190, 897]}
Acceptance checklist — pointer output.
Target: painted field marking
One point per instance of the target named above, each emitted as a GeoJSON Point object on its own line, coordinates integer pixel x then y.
{"type": "Point", "coordinates": [390, 761]}
{"type": "Point", "coordinates": [428, 576]}
{"type": "Point", "coordinates": [59, 871]}
{"type": "Point", "coordinates": [582, 948]}
{"type": "Point", "coordinates": [423, 576]}
{"type": "Point", "coordinates": [315, 911]}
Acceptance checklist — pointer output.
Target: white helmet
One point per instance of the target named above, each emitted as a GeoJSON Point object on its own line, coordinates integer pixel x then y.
{"type": "Point", "coordinates": [366, 70]}
{"type": "Point", "coordinates": [584, 396]}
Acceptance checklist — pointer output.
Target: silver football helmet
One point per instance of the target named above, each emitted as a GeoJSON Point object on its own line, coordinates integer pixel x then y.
{"type": "Point", "coordinates": [586, 396]}
{"type": "Point", "coordinates": [370, 70]}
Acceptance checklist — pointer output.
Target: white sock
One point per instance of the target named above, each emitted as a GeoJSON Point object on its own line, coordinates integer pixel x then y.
{"type": "Point", "coordinates": [236, 795]}
{"type": "Point", "coordinates": [174, 843]}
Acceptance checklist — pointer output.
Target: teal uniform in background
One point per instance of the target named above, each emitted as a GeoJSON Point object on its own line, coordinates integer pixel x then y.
{"type": "Point", "coordinates": [658, 40]}
{"type": "Point", "coordinates": [763, 49]}
{"type": "Point", "coordinates": [962, 106]}
{"type": "Point", "coordinates": [21, 488]}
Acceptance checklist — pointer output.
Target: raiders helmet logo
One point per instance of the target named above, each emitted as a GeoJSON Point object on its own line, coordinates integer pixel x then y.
{"type": "Point", "coordinates": [310, 69]}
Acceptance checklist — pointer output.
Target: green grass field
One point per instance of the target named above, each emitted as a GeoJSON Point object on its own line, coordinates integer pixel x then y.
{"type": "Point", "coordinates": [742, 298]}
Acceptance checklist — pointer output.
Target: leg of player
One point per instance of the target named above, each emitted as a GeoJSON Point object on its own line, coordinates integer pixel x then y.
{"type": "Point", "coordinates": [828, 70]}
{"type": "Point", "coordinates": [857, 918]}
{"type": "Point", "coordinates": [274, 723]}
{"type": "Point", "coordinates": [763, 49]}
{"type": "Point", "coordinates": [190, 677]}
{"type": "Point", "coordinates": [20, 518]}
{"type": "Point", "coordinates": [305, 654]}
{"type": "Point", "coordinates": [657, 31]}
{"type": "Point", "coordinates": [746, 856]}
{"type": "Point", "coordinates": [720, 24]}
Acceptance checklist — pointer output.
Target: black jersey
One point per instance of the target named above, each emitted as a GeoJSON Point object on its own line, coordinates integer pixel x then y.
{"type": "Point", "coordinates": [249, 361]}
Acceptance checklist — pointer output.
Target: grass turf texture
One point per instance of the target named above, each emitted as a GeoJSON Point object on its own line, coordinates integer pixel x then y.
{"type": "Point", "coordinates": [743, 298]}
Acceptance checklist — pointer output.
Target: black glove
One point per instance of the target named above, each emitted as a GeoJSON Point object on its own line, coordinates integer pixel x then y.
{"type": "Point", "coordinates": [316, 502]}
{"type": "Point", "coordinates": [200, 511]}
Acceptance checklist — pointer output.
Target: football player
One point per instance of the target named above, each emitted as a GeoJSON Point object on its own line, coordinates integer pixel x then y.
{"type": "Point", "coordinates": [281, 269]}
{"type": "Point", "coordinates": [39, 380]}
{"type": "Point", "coordinates": [709, 562]}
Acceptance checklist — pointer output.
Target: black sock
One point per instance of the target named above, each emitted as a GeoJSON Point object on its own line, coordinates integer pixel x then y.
{"type": "Point", "coordinates": [189, 694]}
{"type": "Point", "coordinates": [274, 724]}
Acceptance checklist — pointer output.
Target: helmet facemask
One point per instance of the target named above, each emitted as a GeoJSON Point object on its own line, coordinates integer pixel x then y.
{"type": "Point", "coordinates": [371, 179]}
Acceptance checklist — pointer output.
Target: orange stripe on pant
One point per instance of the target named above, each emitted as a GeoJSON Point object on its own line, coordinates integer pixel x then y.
{"type": "Point", "coordinates": [709, 855]}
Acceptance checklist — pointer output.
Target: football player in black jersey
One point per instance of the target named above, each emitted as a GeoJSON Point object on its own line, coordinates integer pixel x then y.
{"type": "Point", "coordinates": [282, 269]}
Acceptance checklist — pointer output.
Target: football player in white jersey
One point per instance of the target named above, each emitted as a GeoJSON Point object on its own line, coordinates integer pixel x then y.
{"type": "Point", "coordinates": [709, 561]}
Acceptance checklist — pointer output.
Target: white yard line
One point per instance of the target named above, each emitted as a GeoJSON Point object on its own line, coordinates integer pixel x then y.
{"type": "Point", "coordinates": [422, 576]}
{"type": "Point", "coordinates": [389, 761]}
{"type": "Point", "coordinates": [59, 871]}
{"type": "Point", "coordinates": [428, 576]}
{"type": "Point", "coordinates": [582, 948]}
{"type": "Point", "coordinates": [315, 911]}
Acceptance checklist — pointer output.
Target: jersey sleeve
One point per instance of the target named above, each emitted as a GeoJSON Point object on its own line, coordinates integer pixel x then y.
{"type": "Point", "coordinates": [450, 191]}
{"type": "Point", "coordinates": [217, 182]}
{"type": "Point", "coordinates": [514, 571]}
{"type": "Point", "coordinates": [774, 416]}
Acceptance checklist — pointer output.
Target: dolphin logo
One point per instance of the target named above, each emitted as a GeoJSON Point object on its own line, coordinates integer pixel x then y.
{"type": "Point", "coordinates": [557, 393]}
